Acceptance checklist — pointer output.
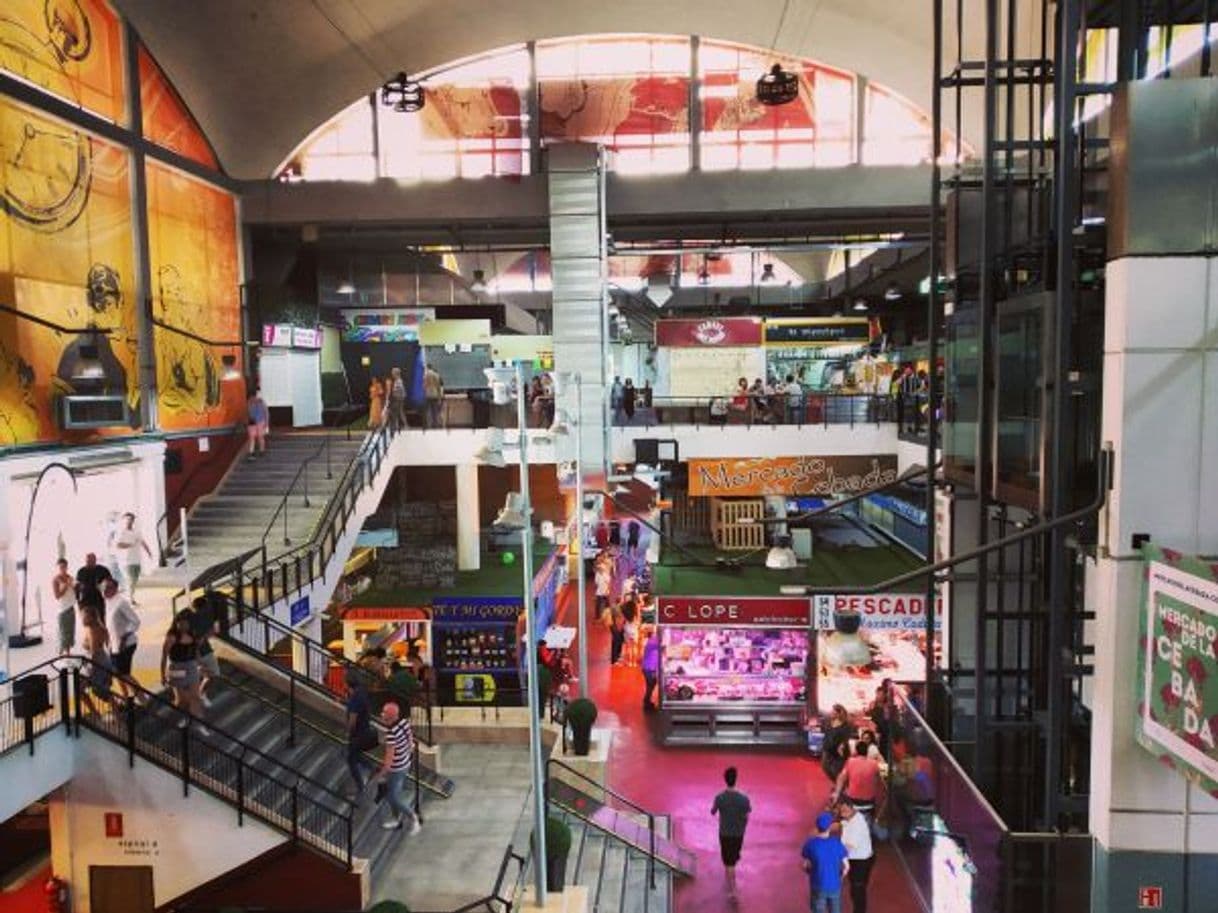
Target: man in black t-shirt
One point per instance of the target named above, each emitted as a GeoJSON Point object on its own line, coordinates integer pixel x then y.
{"type": "Point", "coordinates": [203, 626]}
{"type": "Point", "coordinates": [733, 808]}
{"type": "Point", "coordinates": [89, 580]}
{"type": "Point", "coordinates": [361, 737]}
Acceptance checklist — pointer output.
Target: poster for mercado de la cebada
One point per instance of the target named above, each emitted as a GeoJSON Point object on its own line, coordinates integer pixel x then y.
{"type": "Point", "coordinates": [1178, 664]}
{"type": "Point", "coordinates": [790, 475]}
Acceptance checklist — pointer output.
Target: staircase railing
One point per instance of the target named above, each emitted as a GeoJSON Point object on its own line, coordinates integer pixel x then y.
{"type": "Point", "coordinates": [38, 704]}
{"type": "Point", "coordinates": [244, 777]}
{"type": "Point", "coordinates": [302, 472]}
{"type": "Point", "coordinates": [255, 634]}
{"type": "Point", "coordinates": [595, 787]}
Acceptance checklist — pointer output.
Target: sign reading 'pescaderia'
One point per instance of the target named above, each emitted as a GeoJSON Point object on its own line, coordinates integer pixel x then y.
{"type": "Point", "coordinates": [806, 475]}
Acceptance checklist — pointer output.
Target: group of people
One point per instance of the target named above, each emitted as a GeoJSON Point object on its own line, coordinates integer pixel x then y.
{"type": "Point", "coordinates": [539, 397]}
{"type": "Point", "coordinates": [625, 399]}
{"type": "Point", "coordinates": [838, 850]}
{"type": "Point", "coordinates": [388, 399]}
{"type": "Point", "coordinates": [776, 402]}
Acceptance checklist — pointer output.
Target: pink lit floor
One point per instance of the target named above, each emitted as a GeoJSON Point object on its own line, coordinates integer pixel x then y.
{"type": "Point", "coordinates": [787, 790]}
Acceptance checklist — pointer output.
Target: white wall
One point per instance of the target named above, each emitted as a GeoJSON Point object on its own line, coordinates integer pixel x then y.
{"type": "Point", "coordinates": [25, 778]}
{"type": "Point", "coordinates": [197, 836]}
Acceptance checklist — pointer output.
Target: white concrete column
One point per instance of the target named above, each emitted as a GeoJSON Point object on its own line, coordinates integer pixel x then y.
{"type": "Point", "coordinates": [469, 555]}
{"type": "Point", "coordinates": [1161, 414]}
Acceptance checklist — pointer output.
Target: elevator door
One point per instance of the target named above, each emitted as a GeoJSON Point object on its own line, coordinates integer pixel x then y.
{"type": "Point", "coordinates": [121, 889]}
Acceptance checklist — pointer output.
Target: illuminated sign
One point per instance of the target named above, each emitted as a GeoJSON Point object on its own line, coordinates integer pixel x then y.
{"type": "Point", "coordinates": [728, 611]}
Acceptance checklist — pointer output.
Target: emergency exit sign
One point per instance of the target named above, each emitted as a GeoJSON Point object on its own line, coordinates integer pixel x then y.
{"type": "Point", "coordinates": [1150, 897]}
{"type": "Point", "coordinates": [114, 824]}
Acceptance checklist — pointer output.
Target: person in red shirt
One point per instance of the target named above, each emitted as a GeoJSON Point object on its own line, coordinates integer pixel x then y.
{"type": "Point", "coordinates": [860, 780]}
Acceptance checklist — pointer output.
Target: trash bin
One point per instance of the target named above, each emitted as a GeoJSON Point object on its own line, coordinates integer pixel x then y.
{"type": "Point", "coordinates": [31, 696]}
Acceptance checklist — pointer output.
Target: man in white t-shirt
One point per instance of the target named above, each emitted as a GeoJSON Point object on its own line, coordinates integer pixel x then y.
{"type": "Point", "coordinates": [856, 835]}
{"type": "Point", "coordinates": [124, 626]}
{"type": "Point", "coordinates": [128, 542]}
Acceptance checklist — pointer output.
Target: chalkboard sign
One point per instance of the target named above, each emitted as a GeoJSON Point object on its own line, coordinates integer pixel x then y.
{"type": "Point", "coordinates": [459, 370]}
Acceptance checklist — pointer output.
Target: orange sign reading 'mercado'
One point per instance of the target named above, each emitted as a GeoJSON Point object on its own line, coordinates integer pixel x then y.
{"type": "Point", "coordinates": [805, 475]}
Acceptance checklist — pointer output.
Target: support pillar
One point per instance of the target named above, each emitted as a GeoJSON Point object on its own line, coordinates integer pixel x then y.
{"type": "Point", "coordinates": [469, 555]}
{"type": "Point", "coordinates": [1152, 828]}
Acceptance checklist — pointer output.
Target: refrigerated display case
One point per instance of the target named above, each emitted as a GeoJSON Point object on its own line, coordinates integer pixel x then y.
{"type": "Point", "coordinates": [734, 669]}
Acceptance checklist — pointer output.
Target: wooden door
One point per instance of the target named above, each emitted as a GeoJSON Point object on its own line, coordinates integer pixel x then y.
{"type": "Point", "coordinates": [121, 889]}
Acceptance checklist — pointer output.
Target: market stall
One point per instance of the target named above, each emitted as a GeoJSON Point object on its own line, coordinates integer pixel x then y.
{"type": "Point", "coordinates": [391, 628]}
{"type": "Point", "coordinates": [734, 668]}
{"type": "Point", "coordinates": [476, 650]}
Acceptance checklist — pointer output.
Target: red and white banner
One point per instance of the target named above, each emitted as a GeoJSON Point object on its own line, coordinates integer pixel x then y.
{"type": "Point", "coordinates": [714, 332]}
{"type": "Point", "coordinates": [730, 611]}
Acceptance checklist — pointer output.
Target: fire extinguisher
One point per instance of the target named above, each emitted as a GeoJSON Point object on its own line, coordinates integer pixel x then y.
{"type": "Point", "coordinates": [56, 891]}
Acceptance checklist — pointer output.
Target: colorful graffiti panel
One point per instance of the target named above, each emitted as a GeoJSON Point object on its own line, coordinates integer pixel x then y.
{"type": "Point", "coordinates": [70, 48]}
{"type": "Point", "coordinates": [192, 239]}
{"type": "Point", "coordinates": [166, 121]}
{"type": "Point", "coordinates": [66, 256]}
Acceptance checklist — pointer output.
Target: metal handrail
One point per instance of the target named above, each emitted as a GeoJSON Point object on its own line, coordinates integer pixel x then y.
{"type": "Point", "coordinates": [69, 668]}
{"type": "Point", "coordinates": [302, 470]}
{"type": "Point", "coordinates": [315, 646]}
{"type": "Point", "coordinates": [600, 787]}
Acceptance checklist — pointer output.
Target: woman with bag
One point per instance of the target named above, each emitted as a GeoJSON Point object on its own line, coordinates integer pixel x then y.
{"type": "Point", "coordinates": [180, 668]}
{"type": "Point", "coordinates": [361, 737]}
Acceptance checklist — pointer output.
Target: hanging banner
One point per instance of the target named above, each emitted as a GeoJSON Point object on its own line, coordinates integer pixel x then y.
{"type": "Point", "coordinates": [817, 331]}
{"type": "Point", "coordinates": [1177, 667]}
{"type": "Point", "coordinates": [789, 475]}
{"type": "Point", "coordinates": [728, 611]}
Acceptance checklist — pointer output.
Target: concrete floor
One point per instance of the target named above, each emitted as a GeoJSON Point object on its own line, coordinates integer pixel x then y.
{"type": "Point", "coordinates": [456, 857]}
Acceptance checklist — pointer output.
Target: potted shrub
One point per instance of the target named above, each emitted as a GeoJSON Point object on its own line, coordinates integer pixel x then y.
{"type": "Point", "coordinates": [389, 906]}
{"type": "Point", "coordinates": [581, 714]}
{"type": "Point", "coordinates": [558, 847]}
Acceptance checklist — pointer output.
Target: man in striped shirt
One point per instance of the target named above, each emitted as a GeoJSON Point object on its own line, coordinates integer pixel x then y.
{"type": "Point", "coordinates": [399, 751]}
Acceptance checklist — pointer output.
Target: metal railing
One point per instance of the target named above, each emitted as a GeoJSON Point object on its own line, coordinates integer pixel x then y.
{"type": "Point", "coordinates": [257, 634]}
{"type": "Point", "coordinates": [247, 779]}
{"type": "Point", "coordinates": [633, 809]}
{"type": "Point", "coordinates": [302, 475]}
{"type": "Point", "coordinates": [23, 718]}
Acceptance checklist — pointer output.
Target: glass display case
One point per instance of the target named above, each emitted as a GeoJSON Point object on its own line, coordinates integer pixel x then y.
{"type": "Point", "coordinates": [734, 665]}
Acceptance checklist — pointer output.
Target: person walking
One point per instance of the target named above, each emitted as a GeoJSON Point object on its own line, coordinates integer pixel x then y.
{"type": "Point", "coordinates": [129, 542]}
{"type": "Point", "coordinates": [433, 392]}
{"type": "Point", "coordinates": [615, 399]}
{"type": "Point", "coordinates": [376, 403]}
{"type": "Point", "coordinates": [651, 668]}
{"type": "Point", "coordinates": [257, 424]}
{"type": "Point", "coordinates": [795, 401]}
{"type": "Point", "coordinates": [399, 751]}
{"type": "Point", "coordinates": [826, 862]}
{"type": "Point", "coordinates": [628, 400]}
{"type": "Point", "coordinates": [96, 646]}
{"type": "Point", "coordinates": [64, 589]}
{"type": "Point", "coordinates": [856, 836]}
{"type": "Point", "coordinates": [180, 668]}
{"type": "Point", "coordinates": [617, 636]}
{"type": "Point", "coordinates": [604, 583]}
{"type": "Point", "coordinates": [203, 626]}
{"type": "Point", "coordinates": [89, 579]}
{"type": "Point", "coordinates": [397, 400]}
{"type": "Point", "coordinates": [123, 626]}
{"type": "Point", "coordinates": [361, 737]}
{"type": "Point", "coordinates": [860, 780]}
{"type": "Point", "coordinates": [633, 531]}
{"type": "Point", "coordinates": [733, 809]}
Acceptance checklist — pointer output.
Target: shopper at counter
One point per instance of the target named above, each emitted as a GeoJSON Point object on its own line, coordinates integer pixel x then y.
{"type": "Point", "coordinates": [433, 392]}
{"type": "Point", "coordinates": [838, 733]}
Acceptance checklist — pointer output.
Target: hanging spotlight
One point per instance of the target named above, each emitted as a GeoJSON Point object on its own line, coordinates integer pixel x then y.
{"type": "Point", "coordinates": [659, 289]}
{"type": "Point", "coordinates": [230, 368]}
{"type": "Point", "coordinates": [704, 276]}
{"type": "Point", "coordinates": [781, 557]}
{"type": "Point", "coordinates": [478, 286]}
{"type": "Point", "coordinates": [892, 293]}
{"type": "Point", "coordinates": [860, 304]}
{"type": "Point", "coordinates": [512, 516]}
{"type": "Point", "coordinates": [403, 95]}
{"type": "Point", "coordinates": [767, 273]}
{"type": "Point", "coordinates": [778, 87]}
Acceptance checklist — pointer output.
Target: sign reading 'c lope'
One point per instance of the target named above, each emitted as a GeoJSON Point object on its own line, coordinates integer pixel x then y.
{"type": "Point", "coordinates": [730, 610]}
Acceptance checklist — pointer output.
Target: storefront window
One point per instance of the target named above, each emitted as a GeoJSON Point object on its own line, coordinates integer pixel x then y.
{"type": "Point", "coordinates": [474, 123]}
{"type": "Point", "coordinates": [817, 130]}
{"type": "Point", "coordinates": [629, 94]}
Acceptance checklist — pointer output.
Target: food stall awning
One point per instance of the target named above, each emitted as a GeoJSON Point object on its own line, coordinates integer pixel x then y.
{"type": "Point", "coordinates": [386, 613]}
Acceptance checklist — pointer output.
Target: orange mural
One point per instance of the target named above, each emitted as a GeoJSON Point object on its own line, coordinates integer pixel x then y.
{"type": "Point", "coordinates": [192, 241]}
{"type": "Point", "coordinates": [165, 119]}
{"type": "Point", "coordinates": [70, 48]}
{"type": "Point", "coordinates": [66, 256]}
{"type": "Point", "coordinates": [786, 475]}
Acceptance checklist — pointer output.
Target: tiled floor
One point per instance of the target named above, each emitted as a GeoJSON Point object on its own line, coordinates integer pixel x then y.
{"type": "Point", "coordinates": [787, 789]}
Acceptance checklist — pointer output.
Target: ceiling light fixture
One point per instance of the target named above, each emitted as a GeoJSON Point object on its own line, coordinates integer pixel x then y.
{"type": "Point", "coordinates": [860, 304]}
{"type": "Point", "coordinates": [403, 95]}
{"type": "Point", "coordinates": [778, 87]}
{"type": "Point", "coordinates": [88, 362]}
{"type": "Point", "coordinates": [767, 273]}
{"type": "Point", "coordinates": [658, 290]}
{"type": "Point", "coordinates": [892, 293]}
{"type": "Point", "coordinates": [478, 286]}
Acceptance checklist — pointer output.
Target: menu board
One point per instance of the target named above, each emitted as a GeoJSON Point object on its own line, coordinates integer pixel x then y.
{"type": "Point", "coordinates": [706, 665]}
{"type": "Point", "coordinates": [706, 372]}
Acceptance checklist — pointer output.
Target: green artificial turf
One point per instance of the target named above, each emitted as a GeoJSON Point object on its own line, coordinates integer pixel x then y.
{"type": "Point", "coordinates": [845, 566]}
{"type": "Point", "coordinates": [493, 579]}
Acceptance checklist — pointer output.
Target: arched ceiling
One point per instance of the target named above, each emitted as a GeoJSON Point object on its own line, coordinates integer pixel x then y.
{"type": "Point", "coordinates": [260, 75]}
